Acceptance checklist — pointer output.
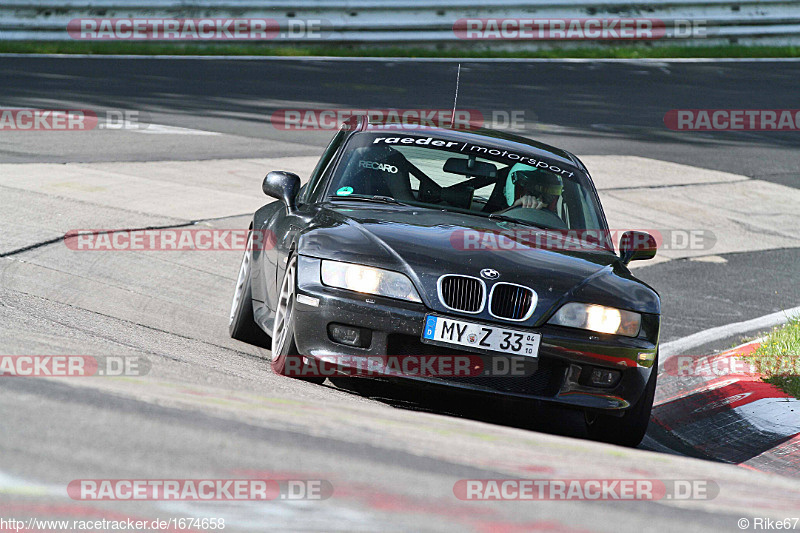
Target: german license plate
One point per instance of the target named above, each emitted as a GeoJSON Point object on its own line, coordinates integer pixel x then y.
{"type": "Point", "coordinates": [441, 330]}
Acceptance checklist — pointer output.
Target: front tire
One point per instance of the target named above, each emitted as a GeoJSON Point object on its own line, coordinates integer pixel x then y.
{"type": "Point", "coordinates": [242, 325]}
{"type": "Point", "coordinates": [629, 429]}
{"type": "Point", "coordinates": [286, 360]}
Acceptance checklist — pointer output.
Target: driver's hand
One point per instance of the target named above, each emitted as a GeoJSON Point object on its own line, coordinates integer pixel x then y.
{"type": "Point", "coordinates": [529, 201]}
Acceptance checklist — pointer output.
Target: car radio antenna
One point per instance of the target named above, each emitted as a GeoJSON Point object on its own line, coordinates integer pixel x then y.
{"type": "Point", "coordinates": [455, 100]}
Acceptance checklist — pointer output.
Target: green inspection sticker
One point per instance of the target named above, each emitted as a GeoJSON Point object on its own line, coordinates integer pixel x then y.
{"type": "Point", "coordinates": [344, 191]}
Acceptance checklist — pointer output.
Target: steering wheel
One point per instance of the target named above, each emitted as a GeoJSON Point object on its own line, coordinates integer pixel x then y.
{"type": "Point", "coordinates": [542, 217]}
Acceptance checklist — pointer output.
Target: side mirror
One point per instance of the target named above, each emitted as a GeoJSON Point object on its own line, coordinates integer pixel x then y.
{"type": "Point", "coordinates": [284, 186]}
{"type": "Point", "coordinates": [637, 245]}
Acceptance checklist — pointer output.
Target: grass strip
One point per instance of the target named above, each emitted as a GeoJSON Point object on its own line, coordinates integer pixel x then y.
{"type": "Point", "coordinates": [778, 357]}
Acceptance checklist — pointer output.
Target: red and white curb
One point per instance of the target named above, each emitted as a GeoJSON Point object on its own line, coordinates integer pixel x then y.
{"type": "Point", "coordinates": [729, 416]}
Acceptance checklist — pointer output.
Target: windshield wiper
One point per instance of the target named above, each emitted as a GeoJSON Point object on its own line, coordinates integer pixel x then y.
{"type": "Point", "coordinates": [506, 218]}
{"type": "Point", "coordinates": [376, 198]}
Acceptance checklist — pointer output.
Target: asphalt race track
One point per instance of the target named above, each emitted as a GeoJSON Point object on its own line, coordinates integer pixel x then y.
{"type": "Point", "coordinates": [210, 407]}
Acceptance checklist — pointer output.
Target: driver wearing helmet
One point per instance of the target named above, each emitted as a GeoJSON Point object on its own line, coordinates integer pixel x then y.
{"type": "Point", "coordinates": [532, 188]}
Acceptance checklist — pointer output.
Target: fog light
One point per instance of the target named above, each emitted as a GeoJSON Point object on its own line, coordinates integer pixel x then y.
{"type": "Point", "coordinates": [346, 335]}
{"type": "Point", "coordinates": [602, 377]}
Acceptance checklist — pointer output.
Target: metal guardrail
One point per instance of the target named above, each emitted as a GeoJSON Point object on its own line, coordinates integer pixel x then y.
{"type": "Point", "coordinates": [421, 22]}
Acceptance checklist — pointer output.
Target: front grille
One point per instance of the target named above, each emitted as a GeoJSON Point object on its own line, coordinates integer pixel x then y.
{"type": "Point", "coordinates": [545, 381]}
{"type": "Point", "coordinates": [512, 302]}
{"type": "Point", "coordinates": [462, 293]}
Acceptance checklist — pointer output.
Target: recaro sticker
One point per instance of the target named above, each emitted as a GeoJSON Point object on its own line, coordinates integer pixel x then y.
{"type": "Point", "coordinates": [375, 165]}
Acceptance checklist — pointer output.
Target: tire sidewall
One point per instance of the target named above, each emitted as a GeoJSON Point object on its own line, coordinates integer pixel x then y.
{"type": "Point", "coordinates": [242, 316]}
{"type": "Point", "coordinates": [289, 347]}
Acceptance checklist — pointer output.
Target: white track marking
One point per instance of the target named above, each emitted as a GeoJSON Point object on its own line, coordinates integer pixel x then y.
{"type": "Point", "coordinates": [668, 349]}
{"type": "Point", "coordinates": [709, 259]}
{"type": "Point", "coordinates": [161, 129]}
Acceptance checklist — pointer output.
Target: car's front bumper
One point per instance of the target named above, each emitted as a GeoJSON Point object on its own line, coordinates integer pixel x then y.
{"type": "Point", "coordinates": [566, 356]}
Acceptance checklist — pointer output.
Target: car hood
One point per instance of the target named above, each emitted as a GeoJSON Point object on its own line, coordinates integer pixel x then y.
{"type": "Point", "coordinates": [425, 244]}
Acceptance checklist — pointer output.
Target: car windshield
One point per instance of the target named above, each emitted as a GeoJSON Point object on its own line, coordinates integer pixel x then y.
{"type": "Point", "coordinates": [425, 171]}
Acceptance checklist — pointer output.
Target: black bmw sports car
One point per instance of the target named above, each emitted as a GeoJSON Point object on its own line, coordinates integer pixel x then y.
{"type": "Point", "coordinates": [471, 259]}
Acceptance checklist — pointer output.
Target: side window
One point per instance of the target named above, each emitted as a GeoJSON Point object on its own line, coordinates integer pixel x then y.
{"type": "Point", "coordinates": [310, 188]}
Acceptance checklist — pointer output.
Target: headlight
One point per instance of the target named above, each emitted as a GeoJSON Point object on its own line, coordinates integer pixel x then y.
{"type": "Point", "coordinates": [368, 280]}
{"type": "Point", "coordinates": [598, 318]}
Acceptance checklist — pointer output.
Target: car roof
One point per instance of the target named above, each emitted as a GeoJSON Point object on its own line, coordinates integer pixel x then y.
{"type": "Point", "coordinates": [475, 135]}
